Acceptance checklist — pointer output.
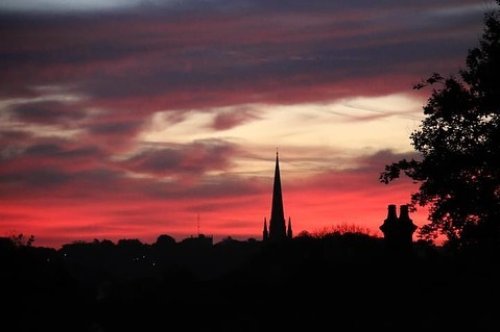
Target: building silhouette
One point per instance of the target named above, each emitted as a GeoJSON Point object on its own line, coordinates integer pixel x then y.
{"type": "Point", "coordinates": [277, 225]}
{"type": "Point", "coordinates": [398, 232]}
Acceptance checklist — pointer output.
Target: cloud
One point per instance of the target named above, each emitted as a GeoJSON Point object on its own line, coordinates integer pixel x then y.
{"type": "Point", "coordinates": [115, 128]}
{"type": "Point", "coordinates": [8, 137]}
{"type": "Point", "coordinates": [45, 178]}
{"type": "Point", "coordinates": [195, 159]}
{"type": "Point", "coordinates": [48, 158]}
{"type": "Point", "coordinates": [52, 150]}
{"type": "Point", "coordinates": [64, 6]}
{"type": "Point", "coordinates": [59, 184]}
{"type": "Point", "coordinates": [360, 175]}
{"type": "Point", "coordinates": [227, 119]}
{"type": "Point", "coordinates": [251, 52]}
{"type": "Point", "coordinates": [203, 5]}
{"type": "Point", "coordinates": [47, 112]}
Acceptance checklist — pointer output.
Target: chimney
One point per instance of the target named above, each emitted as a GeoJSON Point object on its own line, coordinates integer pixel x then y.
{"type": "Point", "coordinates": [390, 223]}
{"type": "Point", "coordinates": [398, 231]}
{"type": "Point", "coordinates": [406, 224]}
{"type": "Point", "coordinates": [403, 213]}
{"type": "Point", "coordinates": [391, 212]}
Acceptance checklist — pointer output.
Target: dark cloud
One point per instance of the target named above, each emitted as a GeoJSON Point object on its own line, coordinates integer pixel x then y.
{"type": "Point", "coordinates": [47, 112]}
{"type": "Point", "coordinates": [362, 176]}
{"type": "Point", "coordinates": [35, 178]}
{"type": "Point", "coordinates": [58, 151]}
{"type": "Point", "coordinates": [9, 136]}
{"type": "Point", "coordinates": [227, 186]}
{"type": "Point", "coordinates": [203, 6]}
{"type": "Point", "coordinates": [115, 132]}
{"type": "Point", "coordinates": [107, 183]}
{"type": "Point", "coordinates": [231, 118]}
{"type": "Point", "coordinates": [241, 52]}
{"type": "Point", "coordinates": [161, 161]}
{"type": "Point", "coordinates": [372, 165]}
{"type": "Point", "coordinates": [114, 128]}
{"type": "Point", "coordinates": [49, 159]}
{"type": "Point", "coordinates": [58, 183]}
{"type": "Point", "coordinates": [190, 159]}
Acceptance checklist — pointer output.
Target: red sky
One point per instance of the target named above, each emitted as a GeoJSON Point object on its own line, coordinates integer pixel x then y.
{"type": "Point", "coordinates": [125, 119]}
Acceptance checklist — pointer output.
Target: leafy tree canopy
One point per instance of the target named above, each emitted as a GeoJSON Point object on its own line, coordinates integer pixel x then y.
{"type": "Point", "coordinates": [459, 144]}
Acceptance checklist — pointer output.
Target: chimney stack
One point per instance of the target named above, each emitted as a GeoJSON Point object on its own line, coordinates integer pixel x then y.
{"type": "Point", "coordinates": [398, 232]}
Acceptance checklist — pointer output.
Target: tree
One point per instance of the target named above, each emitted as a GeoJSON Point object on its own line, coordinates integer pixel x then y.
{"type": "Point", "coordinates": [459, 144]}
{"type": "Point", "coordinates": [164, 242]}
{"type": "Point", "coordinates": [20, 240]}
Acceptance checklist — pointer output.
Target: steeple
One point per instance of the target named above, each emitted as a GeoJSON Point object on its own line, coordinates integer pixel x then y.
{"type": "Point", "coordinates": [277, 228]}
{"type": "Point", "coordinates": [289, 232]}
{"type": "Point", "coordinates": [265, 233]}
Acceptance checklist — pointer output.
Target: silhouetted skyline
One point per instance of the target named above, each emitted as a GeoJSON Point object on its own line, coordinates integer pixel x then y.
{"type": "Point", "coordinates": [138, 190]}
{"type": "Point", "coordinates": [130, 286]}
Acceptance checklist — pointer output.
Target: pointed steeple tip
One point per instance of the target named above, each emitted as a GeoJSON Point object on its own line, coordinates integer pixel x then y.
{"type": "Point", "coordinates": [289, 232]}
{"type": "Point", "coordinates": [265, 232]}
{"type": "Point", "coordinates": [277, 226]}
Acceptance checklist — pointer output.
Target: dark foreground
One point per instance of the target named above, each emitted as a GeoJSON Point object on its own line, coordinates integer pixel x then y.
{"type": "Point", "coordinates": [341, 282]}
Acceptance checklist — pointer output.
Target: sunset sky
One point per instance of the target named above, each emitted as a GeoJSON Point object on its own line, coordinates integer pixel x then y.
{"type": "Point", "coordinates": [131, 118]}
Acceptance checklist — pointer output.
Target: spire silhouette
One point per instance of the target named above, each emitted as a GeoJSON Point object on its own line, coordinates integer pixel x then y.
{"type": "Point", "coordinates": [265, 233]}
{"type": "Point", "coordinates": [289, 232]}
{"type": "Point", "coordinates": [277, 228]}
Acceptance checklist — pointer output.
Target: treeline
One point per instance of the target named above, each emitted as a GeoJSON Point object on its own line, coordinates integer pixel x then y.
{"type": "Point", "coordinates": [335, 280]}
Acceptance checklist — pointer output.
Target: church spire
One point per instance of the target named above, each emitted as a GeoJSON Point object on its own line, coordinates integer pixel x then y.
{"type": "Point", "coordinates": [289, 232]}
{"type": "Point", "coordinates": [277, 228]}
{"type": "Point", "coordinates": [265, 233]}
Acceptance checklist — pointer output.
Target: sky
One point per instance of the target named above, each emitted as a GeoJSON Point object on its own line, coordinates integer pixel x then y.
{"type": "Point", "coordinates": [135, 118]}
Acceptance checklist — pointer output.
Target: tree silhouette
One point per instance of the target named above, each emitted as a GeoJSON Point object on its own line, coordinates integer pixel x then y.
{"type": "Point", "coordinates": [20, 240]}
{"type": "Point", "coordinates": [459, 169]}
